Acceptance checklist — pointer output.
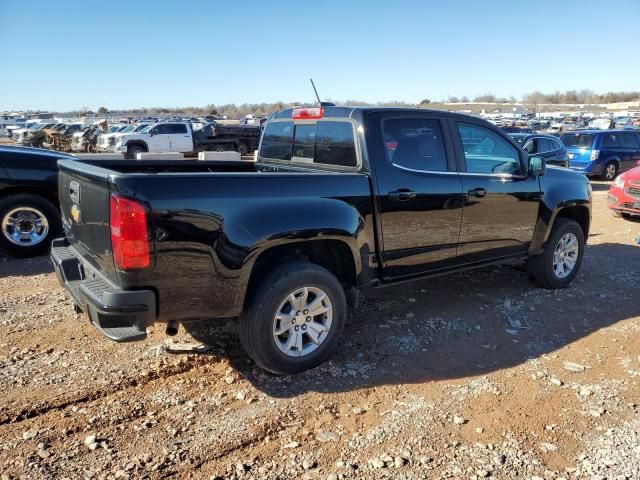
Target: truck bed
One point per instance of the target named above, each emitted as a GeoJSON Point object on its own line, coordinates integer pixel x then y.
{"type": "Point", "coordinates": [207, 223]}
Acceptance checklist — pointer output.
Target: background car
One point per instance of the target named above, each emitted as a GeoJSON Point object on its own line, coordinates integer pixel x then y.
{"type": "Point", "coordinates": [624, 194]}
{"type": "Point", "coordinates": [546, 146]}
{"type": "Point", "coordinates": [605, 153]}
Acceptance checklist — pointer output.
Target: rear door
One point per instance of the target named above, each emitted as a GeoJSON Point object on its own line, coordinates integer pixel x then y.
{"type": "Point", "coordinates": [500, 200]}
{"type": "Point", "coordinates": [179, 137]}
{"type": "Point", "coordinates": [419, 192]}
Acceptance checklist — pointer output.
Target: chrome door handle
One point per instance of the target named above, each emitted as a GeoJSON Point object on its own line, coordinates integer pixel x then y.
{"type": "Point", "coordinates": [403, 194]}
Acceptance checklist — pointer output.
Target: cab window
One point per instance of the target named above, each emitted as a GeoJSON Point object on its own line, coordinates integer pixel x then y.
{"type": "Point", "coordinates": [276, 141]}
{"type": "Point", "coordinates": [324, 143]}
{"type": "Point", "coordinates": [487, 152]}
{"type": "Point", "coordinates": [415, 144]}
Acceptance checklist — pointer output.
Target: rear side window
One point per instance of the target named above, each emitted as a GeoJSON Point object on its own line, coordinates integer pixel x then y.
{"type": "Point", "coordinates": [544, 145]}
{"type": "Point", "coordinates": [611, 140]}
{"type": "Point", "coordinates": [578, 140]}
{"type": "Point", "coordinates": [630, 140]}
{"type": "Point", "coordinates": [277, 140]}
{"type": "Point", "coordinates": [324, 142]}
{"type": "Point", "coordinates": [415, 143]}
{"type": "Point", "coordinates": [173, 128]}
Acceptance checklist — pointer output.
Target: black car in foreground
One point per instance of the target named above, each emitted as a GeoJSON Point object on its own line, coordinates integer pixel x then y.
{"type": "Point", "coordinates": [546, 146]}
{"type": "Point", "coordinates": [340, 199]}
{"type": "Point", "coordinates": [29, 215]}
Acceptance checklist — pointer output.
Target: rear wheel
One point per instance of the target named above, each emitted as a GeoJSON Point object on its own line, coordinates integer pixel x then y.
{"type": "Point", "coordinates": [243, 149]}
{"type": "Point", "coordinates": [29, 223]}
{"type": "Point", "coordinates": [294, 320]}
{"type": "Point", "coordinates": [610, 171]}
{"type": "Point", "coordinates": [134, 150]}
{"type": "Point", "coordinates": [560, 261]}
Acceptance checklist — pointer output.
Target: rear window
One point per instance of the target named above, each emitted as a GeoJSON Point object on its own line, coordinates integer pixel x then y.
{"type": "Point", "coordinates": [578, 140]}
{"type": "Point", "coordinates": [323, 143]}
{"type": "Point", "coordinates": [277, 140]}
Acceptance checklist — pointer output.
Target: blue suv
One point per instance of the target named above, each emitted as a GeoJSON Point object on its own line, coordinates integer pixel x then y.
{"type": "Point", "coordinates": [602, 152]}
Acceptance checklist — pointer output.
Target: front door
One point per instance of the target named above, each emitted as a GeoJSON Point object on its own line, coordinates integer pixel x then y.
{"type": "Point", "coordinates": [419, 193]}
{"type": "Point", "coordinates": [501, 200]}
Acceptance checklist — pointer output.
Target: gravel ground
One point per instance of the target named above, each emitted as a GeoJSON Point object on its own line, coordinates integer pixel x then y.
{"type": "Point", "coordinates": [477, 375]}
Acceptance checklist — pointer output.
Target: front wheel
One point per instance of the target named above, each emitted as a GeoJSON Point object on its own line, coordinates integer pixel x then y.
{"type": "Point", "coordinates": [294, 320]}
{"type": "Point", "coordinates": [29, 223]}
{"type": "Point", "coordinates": [560, 261]}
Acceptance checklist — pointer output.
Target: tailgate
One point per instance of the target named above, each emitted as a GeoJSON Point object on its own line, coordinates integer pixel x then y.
{"type": "Point", "coordinates": [84, 203]}
{"type": "Point", "coordinates": [578, 157]}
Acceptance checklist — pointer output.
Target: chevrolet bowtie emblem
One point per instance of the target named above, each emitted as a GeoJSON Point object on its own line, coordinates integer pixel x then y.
{"type": "Point", "coordinates": [75, 214]}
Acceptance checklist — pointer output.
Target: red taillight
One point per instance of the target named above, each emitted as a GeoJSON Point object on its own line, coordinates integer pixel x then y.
{"type": "Point", "coordinates": [129, 237]}
{"type": "Point", "coordinates": [307, 113]}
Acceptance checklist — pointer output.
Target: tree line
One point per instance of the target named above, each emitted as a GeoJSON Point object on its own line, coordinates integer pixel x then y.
{"type": "Point", "coordinates": [232, 110]}
{"type": "Point", "coordinates": [537, 97]}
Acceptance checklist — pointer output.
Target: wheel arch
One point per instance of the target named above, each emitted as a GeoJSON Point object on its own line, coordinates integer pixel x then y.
{"type": "Point", "coordinates": [31, 190]}
{"type": "Point", "coordinates": [333, 254]}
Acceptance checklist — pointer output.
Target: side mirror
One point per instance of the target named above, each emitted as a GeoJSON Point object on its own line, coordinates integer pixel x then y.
{"type": "Point", "coordinates": [152, 133]}
{"type": "Point", "coordinates": [537, 166]}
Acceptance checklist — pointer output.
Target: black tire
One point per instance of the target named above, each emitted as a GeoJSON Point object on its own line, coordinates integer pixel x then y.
{"type": "Point", "coordinates": [541, 267]}
{"type": "Point", "coordinates": [610, 171]}
{"type": "Point", "coordinates": [42, 206]}
{"type": "Point", "coordinates": [134, 150]}
{"type": "Point", "coordinates": [256, 322]}
{"type": "Point", "coordinates": [220, 148]}
{"type": "Point", "coordinates": [243, 149]}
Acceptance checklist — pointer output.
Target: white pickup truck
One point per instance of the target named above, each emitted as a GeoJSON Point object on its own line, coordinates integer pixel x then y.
{"type": "Point", "coordinates": [181, 137]}
{"type": "Point", "coordinates": [162, 137]}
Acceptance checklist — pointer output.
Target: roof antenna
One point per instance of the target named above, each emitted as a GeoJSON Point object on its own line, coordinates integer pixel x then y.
{"type": "Point", "coordinates": [320, 102]}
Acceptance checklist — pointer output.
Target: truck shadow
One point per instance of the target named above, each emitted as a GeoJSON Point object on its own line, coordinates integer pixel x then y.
{"type": "Point", "coordinates": [460, 326]}
{"type": "Point", "coordinates": [24, 267]}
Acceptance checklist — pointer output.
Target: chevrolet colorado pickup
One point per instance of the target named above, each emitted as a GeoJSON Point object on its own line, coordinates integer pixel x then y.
{"type": "Point", "coordinates": [340, 199]}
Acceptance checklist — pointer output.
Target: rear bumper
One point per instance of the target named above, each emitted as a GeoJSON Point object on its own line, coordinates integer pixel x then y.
{"type": "Point", "coordinates": [120, 315]}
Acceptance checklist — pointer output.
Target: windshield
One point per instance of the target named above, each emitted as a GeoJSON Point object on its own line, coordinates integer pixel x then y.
{"type": "Point", "coordinates": [146, 129]}
{"type": "Point", "coordinates": [140, 128]}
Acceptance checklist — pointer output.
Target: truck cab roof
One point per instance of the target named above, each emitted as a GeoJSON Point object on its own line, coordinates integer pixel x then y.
{"type": "Point", "coordinates": [351, 111]}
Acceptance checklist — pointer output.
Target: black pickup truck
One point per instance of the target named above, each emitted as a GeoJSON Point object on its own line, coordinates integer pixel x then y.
{"type": "Point", "coordinates": [29, 216]}
{"type": "Point", "coordinates": [340, 199]}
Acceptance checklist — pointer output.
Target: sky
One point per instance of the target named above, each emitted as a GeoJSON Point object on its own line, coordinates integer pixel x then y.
{"type": "Point", "coordinates": [65, 55]}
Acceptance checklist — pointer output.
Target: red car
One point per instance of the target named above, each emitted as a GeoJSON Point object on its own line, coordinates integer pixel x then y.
{"type": "Point", "coordinates": [624, 194]}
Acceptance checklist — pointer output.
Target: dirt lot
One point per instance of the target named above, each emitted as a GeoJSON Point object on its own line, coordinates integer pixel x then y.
{"type": "Point", "coordinates": [471, 376]}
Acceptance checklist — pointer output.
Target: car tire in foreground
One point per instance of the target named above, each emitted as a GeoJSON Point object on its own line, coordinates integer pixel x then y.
{"type": "Point", "coordinates": [560, 261]}
{"type": "Point", "coordinates": [294, 320]}
{"type": "Point", "coordinates": [29, 223]}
